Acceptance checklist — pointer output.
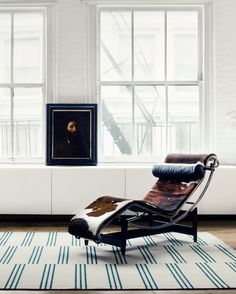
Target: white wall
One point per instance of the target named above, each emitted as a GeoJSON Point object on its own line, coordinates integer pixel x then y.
{"type": "Point", "coordinates": [225, 79]}
{"type": "Point", "coordinates": [71, 51]}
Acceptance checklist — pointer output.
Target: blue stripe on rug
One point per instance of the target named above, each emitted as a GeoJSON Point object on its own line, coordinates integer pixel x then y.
{"type": "Point", "coordinates": [212, 276]}
{"type": "Point", "coordinates": [146, 277]}
{"type": "Point", "coordinates": [15, 276]}
{"type": "Point", "coordinates": [9, 253]}
{"type": "Point", "coordinates": [113, 277]}
{"type": "Point", "coordinates": [47, 276]}
{"type": "Point", "coordinates": [200, 241]}
{"type": "Point", "coordinates": [202, 253]}
{"type": "Point", "coordinates": [80, 276]}
{"type": "Point", "coordinates": [232, 265]}
{"type": "Point", "coordinates": [35, 255]}
{"type": "Point", "coordinates": [120, 259]}
{"type": "Point", "coordinates": [4, 238]}
{"type": "Point", "coordinates": [91, 255]}
{"type": "Point", "coordinates": [179, 276]}
{"type": "Point", "coordinates": [226, 252]}
{"type": "Point", "coordinates": [147, 255]}
{"type": "Point", "coordinates": [28, 239]}
{"type": "Point", "coordinates": [52, 239]}
{"type": "Point", "coordinates": [149, 240]}
{"type": "Point", "coordinates": [177, 257]}
{"type": "Point", "coordinates": [63, 255]}
{"type": "Point", "coordinates": [172, 239]}
{"type": "Point", "coordinates": [75, 241]}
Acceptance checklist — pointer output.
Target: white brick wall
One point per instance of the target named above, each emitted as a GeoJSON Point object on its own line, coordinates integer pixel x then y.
{"type": "Point", "coordinates": [225, 79]}
{"type": "Point", "coordinates": [71, 51]}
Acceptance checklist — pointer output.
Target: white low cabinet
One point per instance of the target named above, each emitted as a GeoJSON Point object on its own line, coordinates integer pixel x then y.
{"type": "Point", "coordinates": [139, 181]}
{"type": "Point", "coordinates": [220, 197]}
{"type": "Point", "coordinates": [25, 191]}
{"type": "Point", "coordinates": [74, 188]}
{"type": "Point", "coordinates": [67, 190]}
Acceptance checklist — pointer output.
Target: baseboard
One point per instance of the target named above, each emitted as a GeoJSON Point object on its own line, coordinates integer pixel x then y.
{"type": "Point", "coordinates": [217, 216]}
{"type": "Point", "coordinates": [34, 218]}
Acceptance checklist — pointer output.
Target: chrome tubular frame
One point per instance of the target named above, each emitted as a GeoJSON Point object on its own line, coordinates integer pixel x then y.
{"type": "Point", "coordinates": [211, 164]}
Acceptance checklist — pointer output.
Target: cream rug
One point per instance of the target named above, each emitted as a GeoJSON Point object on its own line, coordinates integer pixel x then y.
{"type": "Point", "coordinates": [35, 260]}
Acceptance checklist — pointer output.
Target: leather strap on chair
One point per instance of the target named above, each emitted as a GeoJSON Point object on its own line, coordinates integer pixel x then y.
{"type": "Point", "coordinates": [188, 158]}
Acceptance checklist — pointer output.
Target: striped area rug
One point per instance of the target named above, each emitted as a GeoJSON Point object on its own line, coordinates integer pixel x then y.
{"type": "Point", "coordinates": [35, 260]}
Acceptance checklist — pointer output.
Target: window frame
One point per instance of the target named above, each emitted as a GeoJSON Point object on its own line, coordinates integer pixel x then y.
{"type": "Point", "coordinates": [48, 69]}
{"type": "Point", "coordinates": [201, 82]}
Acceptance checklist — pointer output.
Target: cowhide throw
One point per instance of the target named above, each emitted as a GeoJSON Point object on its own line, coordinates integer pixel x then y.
{"type": "Point", "coordinates": [88, 223]}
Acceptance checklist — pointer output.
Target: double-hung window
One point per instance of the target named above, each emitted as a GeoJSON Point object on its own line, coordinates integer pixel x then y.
{"type": "Point", "coordinates": [22, 83]}
{"type": "Point", "coordinates": [150, 81]}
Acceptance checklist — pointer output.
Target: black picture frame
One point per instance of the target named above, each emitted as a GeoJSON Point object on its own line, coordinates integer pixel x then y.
{"type": "Point", "coordinates": [71, 134]}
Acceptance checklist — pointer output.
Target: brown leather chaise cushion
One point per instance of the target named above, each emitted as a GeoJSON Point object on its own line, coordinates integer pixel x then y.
{"type": "Point", "coordinates": [169, 196]}
{"type": "Point", "coordinates": [187, 158]}
{"type": "Point", "coordinates": [171, 191]}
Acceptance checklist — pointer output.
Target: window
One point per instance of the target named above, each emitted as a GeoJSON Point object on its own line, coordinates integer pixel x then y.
{"type": "Point", "coordinates": [150, 71]}
{"type": "Point", "coordinates": [22, 84]}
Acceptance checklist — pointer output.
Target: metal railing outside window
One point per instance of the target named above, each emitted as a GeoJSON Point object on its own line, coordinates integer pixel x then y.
{"type": "Point", "coordinates": [150, 81]}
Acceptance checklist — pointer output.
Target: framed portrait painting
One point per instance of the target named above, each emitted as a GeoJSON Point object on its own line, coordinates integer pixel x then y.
{"type": "Point", "coordinates": [71, 134]}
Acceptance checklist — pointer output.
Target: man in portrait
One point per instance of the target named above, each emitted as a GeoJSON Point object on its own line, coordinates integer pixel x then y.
{"type": "Point", "coordinates": [71, 134]}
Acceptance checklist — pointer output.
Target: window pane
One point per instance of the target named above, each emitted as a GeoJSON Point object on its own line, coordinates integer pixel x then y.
{"type": "Point", "coordinates": [183, 116]}
{"type": "Point", "coordinates": [146, 118]}
{"type": "Point", "coordinates": [28, 123]}
{"type": "Point", "coordinates": [150, 117]}
{"type": "Point", "coordinates": [5, 48]}
{"type": "Point", "coordinates": [149, 45]}
{"type": "Point", "coordinates": [28, 53]}
{"type": "Point", "coordinates": [182, 45]}
{"type": "Point", "coordinates": [116, 120]}
{"type": "Point", "coordinates": [115, 46]}
{"type": "Point", "coordinates": [5, 130]}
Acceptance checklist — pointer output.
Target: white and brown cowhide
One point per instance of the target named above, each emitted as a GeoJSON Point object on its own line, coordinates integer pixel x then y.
{"type": "Point", "coordinates": [89, 222]}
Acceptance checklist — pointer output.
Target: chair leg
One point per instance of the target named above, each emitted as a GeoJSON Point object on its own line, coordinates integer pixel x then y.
{"type": "Point", "coordinates": [194, 224]}
{"type": "Point", "coordinates": [124, 228]}
{"type": "Point", "coordinates": [150, 219]}
{"type": "Point", "coordinates": [123, 248]}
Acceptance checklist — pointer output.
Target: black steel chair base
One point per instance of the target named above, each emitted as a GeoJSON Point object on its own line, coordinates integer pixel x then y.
{"type": "Point", "coordinates": [119, 238]}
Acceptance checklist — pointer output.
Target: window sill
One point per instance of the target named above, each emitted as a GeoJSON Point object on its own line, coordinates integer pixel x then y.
{"type": "Point", "coordinates": [98, 166]}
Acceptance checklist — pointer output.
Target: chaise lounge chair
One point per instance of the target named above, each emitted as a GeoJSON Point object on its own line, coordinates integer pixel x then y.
{"type": "Point", "coordinates": [161, 210]}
